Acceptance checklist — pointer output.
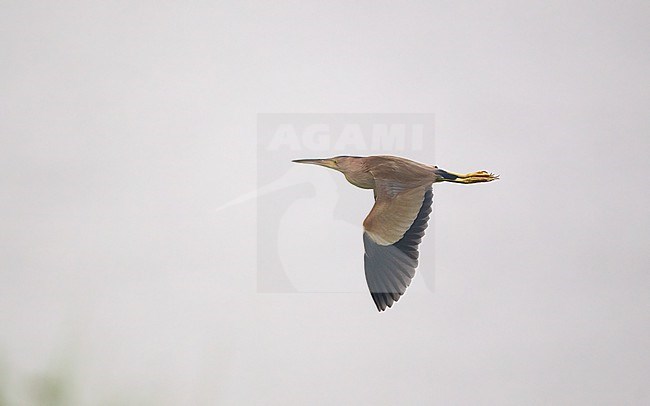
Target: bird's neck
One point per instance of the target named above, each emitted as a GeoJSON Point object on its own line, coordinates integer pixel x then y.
{"type": "Point", "coordinates": [361, 179]}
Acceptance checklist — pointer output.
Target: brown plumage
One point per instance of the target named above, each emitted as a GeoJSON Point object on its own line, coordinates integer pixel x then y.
{"type": "Point", "coordinates": [396, 223]}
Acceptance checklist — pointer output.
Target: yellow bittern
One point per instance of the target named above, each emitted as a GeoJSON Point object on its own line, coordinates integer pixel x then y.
{"type": "Point", "coordinates": [395, 226]}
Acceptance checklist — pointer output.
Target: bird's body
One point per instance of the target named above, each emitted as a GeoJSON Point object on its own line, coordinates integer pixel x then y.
{"type": "Point", "coordinates": [395, 226]}
{"type": "Point", "coordinates": [368, 169]}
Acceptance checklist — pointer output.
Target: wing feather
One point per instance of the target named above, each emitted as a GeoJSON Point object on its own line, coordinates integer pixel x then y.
{"type": "Point", "coordinates": [390, 268]}
{"type": "Point", "coordinates": [394, 211]}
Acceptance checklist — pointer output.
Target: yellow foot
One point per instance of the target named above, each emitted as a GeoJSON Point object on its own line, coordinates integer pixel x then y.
{"type": "Point", "coordinates": [480, 176]}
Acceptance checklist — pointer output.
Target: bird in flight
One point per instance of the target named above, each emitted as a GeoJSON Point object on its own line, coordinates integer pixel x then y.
{"type": "Point", "coordinates": [395, 225]}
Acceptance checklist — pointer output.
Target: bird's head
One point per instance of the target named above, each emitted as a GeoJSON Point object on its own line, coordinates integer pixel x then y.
{"type": "Point", "coordinates": [341, 163]}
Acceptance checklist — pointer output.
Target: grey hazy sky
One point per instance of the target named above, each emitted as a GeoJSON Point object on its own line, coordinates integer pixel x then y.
{"type": "Point", "coordinates": [124, 125]}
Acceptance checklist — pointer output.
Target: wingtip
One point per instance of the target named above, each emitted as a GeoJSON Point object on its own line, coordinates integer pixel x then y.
{"type": "Point", "coordinates": [385, 301]}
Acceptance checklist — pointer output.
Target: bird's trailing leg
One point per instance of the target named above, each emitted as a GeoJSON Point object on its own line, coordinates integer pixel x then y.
{"type": "Point", "coordinates": [473, 177]}
{"type": "Point", "coordinates": [476, 177]}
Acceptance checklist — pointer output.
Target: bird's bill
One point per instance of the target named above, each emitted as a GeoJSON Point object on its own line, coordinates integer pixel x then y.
{"type": "Point", "coordinates": [473, 177]}
{"type": "Point", "coordinates": [328, 163]}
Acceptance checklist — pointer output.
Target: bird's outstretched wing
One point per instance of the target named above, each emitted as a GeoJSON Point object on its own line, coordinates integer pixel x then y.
{"type": "Point", "coordinates": [394, 211]}
{"type": "Point", "coordinates": [391, 242]}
